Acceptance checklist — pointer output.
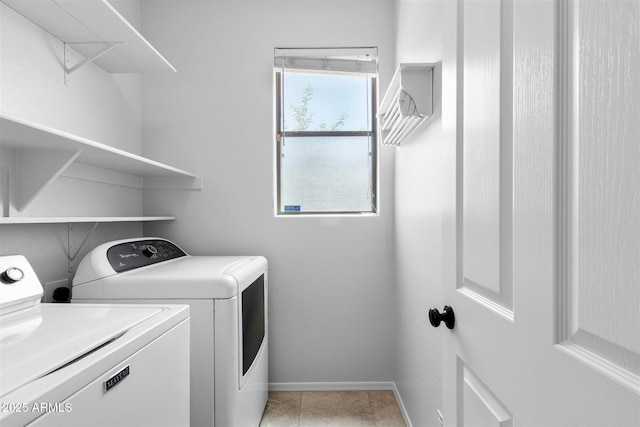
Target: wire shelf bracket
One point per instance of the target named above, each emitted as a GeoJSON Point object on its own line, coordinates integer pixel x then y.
{"type": "Point", "coordinates": [104, 47]}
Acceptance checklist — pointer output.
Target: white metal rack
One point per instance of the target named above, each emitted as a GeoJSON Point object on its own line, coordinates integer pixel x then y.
{"type": "Point", "coordinates": [43, 154]}
{"type": "Point", "coordinates": [78, 220]}
{"type": "Point", "coordinates": [96, 30]}
{"type": "Point", "coordinates": [407, 103]}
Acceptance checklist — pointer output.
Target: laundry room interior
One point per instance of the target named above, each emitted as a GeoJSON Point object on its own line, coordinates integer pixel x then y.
{"type": "Point", "coordinates": [183, 146]}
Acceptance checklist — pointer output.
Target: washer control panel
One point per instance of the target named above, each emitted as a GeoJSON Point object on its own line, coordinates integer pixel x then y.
{"type": "Point", "coordinates": [140, 253]}
{"type": "Point", "coordinates": [19, 285]}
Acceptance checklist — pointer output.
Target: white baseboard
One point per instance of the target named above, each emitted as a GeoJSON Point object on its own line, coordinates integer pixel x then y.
{"type": "Point", "coordinates": [331, 386]}
{"type": "Point", "coordinates": [403, 409]}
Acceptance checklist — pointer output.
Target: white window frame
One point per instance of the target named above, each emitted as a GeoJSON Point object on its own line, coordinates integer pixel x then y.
{"type": "Point", "coordinates": [327, 61]}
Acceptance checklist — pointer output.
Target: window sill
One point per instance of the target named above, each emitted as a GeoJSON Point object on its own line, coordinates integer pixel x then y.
{"type": "Point", "coordinates": [328, 215]}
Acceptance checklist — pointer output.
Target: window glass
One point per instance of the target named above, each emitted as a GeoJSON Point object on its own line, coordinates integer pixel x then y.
{"type": "Point", "coordinates": [326, 102]}
{"type": "Point", "coordinates": [326, 174]}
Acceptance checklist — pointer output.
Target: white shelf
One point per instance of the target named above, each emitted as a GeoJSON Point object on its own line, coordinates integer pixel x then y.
{"type": "Point", "coordinates": [22, 134]}
{"type": "Point", "coordinates": [65, 220]}
{"type": "Point", "coordinates": [91, 23]}
{"type": "Point", "coordinates": [44, 153]}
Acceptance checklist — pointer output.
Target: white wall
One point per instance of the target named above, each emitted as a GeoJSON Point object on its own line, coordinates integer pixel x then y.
{"type": "Point", "coordinates": [96, 105]}
{"type": "Point", "coordinates": [331, 278]}
{"type": "Point", "coordinates": [424, 204]}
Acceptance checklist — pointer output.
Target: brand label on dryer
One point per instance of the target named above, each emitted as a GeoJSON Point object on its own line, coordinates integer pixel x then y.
{"type": "Point", "coordinates": [116, 379]}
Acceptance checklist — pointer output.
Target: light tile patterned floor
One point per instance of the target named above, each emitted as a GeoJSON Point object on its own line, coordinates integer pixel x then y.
{"type": "Point", "coordinates": [332, 408]}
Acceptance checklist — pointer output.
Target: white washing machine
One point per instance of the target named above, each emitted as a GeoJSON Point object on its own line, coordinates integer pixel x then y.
{"type": "Point", "coordinates": [88, 365]}
{"type": "Point", "coordinates": [229, 330]}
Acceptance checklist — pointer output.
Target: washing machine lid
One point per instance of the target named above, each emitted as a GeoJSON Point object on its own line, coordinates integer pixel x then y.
{"type": "Point", "coordinates": [35, 343]}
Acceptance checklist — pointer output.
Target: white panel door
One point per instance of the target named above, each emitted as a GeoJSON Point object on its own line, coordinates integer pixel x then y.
{"type": "Point", "coordinates": [547, 289]}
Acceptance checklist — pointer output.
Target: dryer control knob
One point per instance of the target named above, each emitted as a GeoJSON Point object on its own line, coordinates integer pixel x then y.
{"type": "Point", "coordinates": [12, 275]}
{"type": "Point", "coordinates": [150, 251]}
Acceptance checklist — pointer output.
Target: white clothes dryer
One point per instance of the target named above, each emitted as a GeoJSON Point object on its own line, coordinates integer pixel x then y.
{"type": "Point", "coordinates": [227, 296]}
{"type": "Point", "coordinates": [88, 365]}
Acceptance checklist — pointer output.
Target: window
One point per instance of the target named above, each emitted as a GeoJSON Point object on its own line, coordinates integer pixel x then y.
{"type": "Point", "coordinates": [325, 131]}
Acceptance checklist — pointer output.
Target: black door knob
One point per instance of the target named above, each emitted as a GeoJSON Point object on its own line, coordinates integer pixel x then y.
{"type": "Point", "coordinates": [447, 316]}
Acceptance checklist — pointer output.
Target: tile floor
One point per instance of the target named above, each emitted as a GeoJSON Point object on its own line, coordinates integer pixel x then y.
{"type": "Point", "coordinates": [332, 408]}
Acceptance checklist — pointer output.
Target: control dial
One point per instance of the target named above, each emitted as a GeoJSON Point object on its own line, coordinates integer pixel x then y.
{"type": "Point", "coordinates": [12, 275]}
{"type": "Point", "coordinates": [150, 251]}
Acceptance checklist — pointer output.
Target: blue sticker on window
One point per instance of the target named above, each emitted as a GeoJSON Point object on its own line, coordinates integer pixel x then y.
{"type": "Point", "coordinates": [292, 208]}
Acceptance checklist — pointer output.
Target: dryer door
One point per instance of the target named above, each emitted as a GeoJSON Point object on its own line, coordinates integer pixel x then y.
{"type": "Point", "coordinates": [252, 305]}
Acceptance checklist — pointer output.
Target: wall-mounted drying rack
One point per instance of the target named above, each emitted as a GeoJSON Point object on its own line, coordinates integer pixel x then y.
{"type": "Point", "coordinates": [407, 103]}
{"type": "Point", "coordinates": [93, 28]}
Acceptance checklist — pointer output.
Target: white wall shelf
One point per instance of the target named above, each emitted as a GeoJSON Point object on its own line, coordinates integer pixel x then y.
{"type": "Point", "coordinates": [74, 220]}
{"type": "Point", "coordinates": [86, 25]}
{"type": "Point", "coordinates": [43, 154]}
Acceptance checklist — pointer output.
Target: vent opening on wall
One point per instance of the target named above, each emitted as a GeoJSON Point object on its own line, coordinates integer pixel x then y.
{"type": "Point", "coordinates": [407, 103]}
